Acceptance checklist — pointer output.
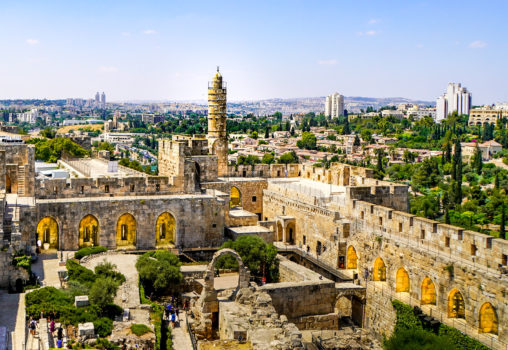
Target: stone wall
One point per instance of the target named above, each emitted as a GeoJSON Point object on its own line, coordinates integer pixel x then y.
{"type": "Point", "coordinates": [309, 295]}
{"type": "Point", "coordinates": [199, 219]}
{"type": "Point", "coordinates": [251, 191]}
{"type": "Point", "coordinates": [101, 187]}
{"type": "Point", "coordinates": [17, 164]}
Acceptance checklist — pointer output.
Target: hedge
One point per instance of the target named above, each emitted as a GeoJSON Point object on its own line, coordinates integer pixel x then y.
{"type": "Point", "coordinates": [89, 251]}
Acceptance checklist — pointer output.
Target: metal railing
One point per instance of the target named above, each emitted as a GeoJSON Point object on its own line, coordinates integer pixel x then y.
{"type": "Point", "coordinates": [459, 324]}
{"type": "Point", "coordinates": [191, 334]}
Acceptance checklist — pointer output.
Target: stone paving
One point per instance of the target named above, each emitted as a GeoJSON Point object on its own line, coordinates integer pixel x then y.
{"type": "Point", "coordinates": [180, 335]}
{"type": "Point", "coordinates": [128, 293]}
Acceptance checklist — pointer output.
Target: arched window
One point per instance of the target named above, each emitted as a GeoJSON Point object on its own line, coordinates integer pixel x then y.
{"type": "Point", "coordinates": [88, 231]}
{"type": "Point", "coordinates": [352, 258]}
{"type": "Point", "coordinates": [456, 308]}
{"type": "Point", "coordinates": [47, 233]}
{"type": "Point", "coordinates": [428, 292]}
{"type": "Point", "coordinates": [235, 197]}
{"type": "Point", "coordinates": [126, 231]}
{"type": "Point", "coordinates": [379, 273]}
{"type": "Point", "coordinates": [488, 319]}
{"type": "Point", "coordinates": [402, 281]}
{"type": "Point", "coordinates": [165, 229]}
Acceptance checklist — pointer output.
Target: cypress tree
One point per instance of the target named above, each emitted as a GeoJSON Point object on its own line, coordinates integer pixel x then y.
{"type": "Point", "coordinates": [476, 161]}
{"type": "Point", "coordinates": [502, 230]}
{"type": "Point", "coordinates": [457, 159]}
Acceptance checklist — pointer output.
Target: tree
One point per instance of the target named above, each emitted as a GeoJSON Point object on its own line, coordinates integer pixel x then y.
{"type": "Point", "coordinates": [159, 272]}
{"type": "Point", "coordinates": [254, 135]}
{"type": "Point", "coordinates": [408, 156]}
{"type": "Point", "coordinates": [346, 129]}
{"type": "Point", "coordinates": [426, 175]}
{"type": "Point", "coordinates": [267, 133]}
{"type": "Point", "coordinates": [457, 161]}
{"type": "Point", "coordinates": [268, 158]}
{"type": "Point", "coordinates": [308, 141]}
{"type": "Point", "coordinates": [256, 254]}
{"type": "Point", "coordinates": [356, 142]}
{"type": "Point", "coordinates": [366, 135]}
{"type": "Point", "coordinates": [476, 160]}
{"type": "Point", "coordinates": [288, 158]}
{"type": "Point", "coordinates": [380, 153]}
{"type": "Point", "coordinates": [103, 291]}
{"type": "Point", "coordinates": [502, 229]}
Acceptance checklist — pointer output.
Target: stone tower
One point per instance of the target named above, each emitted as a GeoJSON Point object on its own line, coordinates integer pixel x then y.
{"type": "Point", "coordinates": [217, 139]}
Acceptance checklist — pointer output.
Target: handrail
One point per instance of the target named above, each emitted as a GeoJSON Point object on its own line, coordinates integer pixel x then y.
{"type": "Point", "coordinates": [191, 334]}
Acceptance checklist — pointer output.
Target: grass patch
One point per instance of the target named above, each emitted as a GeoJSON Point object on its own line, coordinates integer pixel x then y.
{"type": "Point", "coordinates": [140, 329]}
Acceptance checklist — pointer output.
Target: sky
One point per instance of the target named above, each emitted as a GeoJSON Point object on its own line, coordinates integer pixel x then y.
{"type": "Point", "coordinates": [168, 50]}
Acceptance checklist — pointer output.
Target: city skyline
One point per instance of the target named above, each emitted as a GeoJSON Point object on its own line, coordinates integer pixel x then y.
{"type": "Point", "coordinates": [162, 51]}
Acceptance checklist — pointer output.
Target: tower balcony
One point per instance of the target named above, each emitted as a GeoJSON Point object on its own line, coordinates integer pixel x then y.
{"type": "Point", "coordinates": [211, 87]}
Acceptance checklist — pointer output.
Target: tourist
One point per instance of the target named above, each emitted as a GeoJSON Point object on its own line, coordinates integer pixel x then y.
{"type": "Point", "coordinates": [32, 325]}
{"type": "Point", "coordinates": [177, 321]}
{"type": "Point", "coordinates": [59, 333]}
{"type": "Point", "coordinates": [173, 320]}
{"type": "Point", "coordinates": [52, 327]}
{"type": "Point", "coordinates": [59, 343]}
{"type": "Point", "coordinates": [186, 305]}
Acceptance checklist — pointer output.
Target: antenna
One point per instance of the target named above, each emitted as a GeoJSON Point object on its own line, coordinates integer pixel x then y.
{"type": "Point", "coordinates": [217, 68]}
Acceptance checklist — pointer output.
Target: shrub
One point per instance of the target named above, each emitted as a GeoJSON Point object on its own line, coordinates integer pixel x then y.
{"type": "Point", "coordinates": [107, 270]}
{"type": "Point", "coordinates": [111, 311]}
{"type": "Point", "coordinates": [410, 339]}
{"type": "Point", "coordinates": [406, 318]}
{"type": "Point", "coordinates": [79, 273]}
{"type": "Point", "coordinates": [159, 272]}
{"type": "Point", "coordinates": [461, 340]}
{"type": "Point", "coordinates": [25, 262]}
{"type": "Point", "coordinates": [103, 291]}
{"type": "Point", "coordinates": [89, 251]}
{"type": "Point", "coordinates": [103, 326]}
{"type": "Point", "coordinates": [140, 329]}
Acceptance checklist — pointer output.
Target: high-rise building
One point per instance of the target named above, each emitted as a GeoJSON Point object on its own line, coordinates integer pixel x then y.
{"type": "Point", "coordinates": [97, 98]}
{"type": "Point", "coordinates": [217, 140]}
{"type": "Point", "coordinates": [456, 99]}
{"type": "Point", "coordinates": [103, 100]}
{"type": "Point", "coordinates": [334, 105]}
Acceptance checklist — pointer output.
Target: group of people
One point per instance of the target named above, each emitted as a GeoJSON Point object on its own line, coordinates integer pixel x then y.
{"type": "Point", "coordinates": [33, 324]}
{"type": "Point", "coordinates": [172, 311]}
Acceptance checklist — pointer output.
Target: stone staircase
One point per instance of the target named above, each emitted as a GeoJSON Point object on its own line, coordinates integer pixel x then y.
{"type": "Point", "coordinates": [21, 180]}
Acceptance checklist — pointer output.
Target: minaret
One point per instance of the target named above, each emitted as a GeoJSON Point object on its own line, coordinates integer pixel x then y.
{"type": "Point", "coordinates": [217, 140]}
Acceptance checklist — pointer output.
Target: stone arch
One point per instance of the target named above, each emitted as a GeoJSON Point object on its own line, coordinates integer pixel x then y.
{"type": "Point", "coordinates": [88, 231]}
{"type": "Point", "coordinates": [126, 231]}
{"type": "Point", "coordinates": [208, 304]}
{"type": "Point", "coordinates": [352, 258]}
{"type": "Point", "coordinates": [428, 292]}
{"type": "Point", "coordinates": [488, 319]}
{"type": "Point", "coordinates": [235, 197]}
{"type": "Point", "coordinates": [456, 306]}
{"type": "Point", "coordinates": [165, 229]}
{"type": "Point", "coordinates": [290, 232]}
{"type": "Point", "coordinates": [343, 306]}
{"type": "Point", "coordinates": [47, 233]}
{"type": "Point", "coordinates": [279, 232]}
{"type": "Point", "coordinates": [379, 272]}
{"type": "Point", "coordinates": [8, 185]}
{"type": "Point", "coordinates": [402, 281]}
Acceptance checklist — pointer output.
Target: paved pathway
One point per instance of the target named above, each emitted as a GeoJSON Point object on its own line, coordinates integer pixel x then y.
{"type": "Point", "coordinates": [128, 293]}
{"type": "Point", "coordinates": [180, 336]}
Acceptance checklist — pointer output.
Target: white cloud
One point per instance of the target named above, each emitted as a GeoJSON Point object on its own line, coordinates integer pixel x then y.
{"type": "Point", "coordinates": [367, 33]}
{"type": "Point", "coordinates": [374, 21]}
{"type": "Point", "coordinates": [149, 31]}
{"type": "Point", "coordinates": [32, 41]}
{"type": "Point", "coordinates": [108, 69]}
{"type": "Point", "coordinates": [478, 44]}
{"type": "Point", "coordinates": [330, 62]}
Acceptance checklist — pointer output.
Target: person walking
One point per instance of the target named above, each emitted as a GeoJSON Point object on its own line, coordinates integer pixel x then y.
{"type": "Point", "coordinates": [32, 325]}
{"type": "Point", "coordinates": [52, 327]}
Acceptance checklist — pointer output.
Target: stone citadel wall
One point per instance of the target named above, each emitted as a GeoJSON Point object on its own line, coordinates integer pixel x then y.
{"type": "Point", "coordinates": [198, 220]}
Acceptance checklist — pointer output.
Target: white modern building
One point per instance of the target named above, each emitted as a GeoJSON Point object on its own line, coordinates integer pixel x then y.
{"type": "Point", "coordinates": [456, 99]}
{"type": "Point", "coordinates": [29, 117]}
{"type": "Point", "coordinates": [334, 105]}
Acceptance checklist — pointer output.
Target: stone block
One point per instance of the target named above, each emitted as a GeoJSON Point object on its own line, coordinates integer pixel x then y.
{"type": "Point", "coordinates": [81, 300]}
{"type": "Point", "coordinates": [86, 329]}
